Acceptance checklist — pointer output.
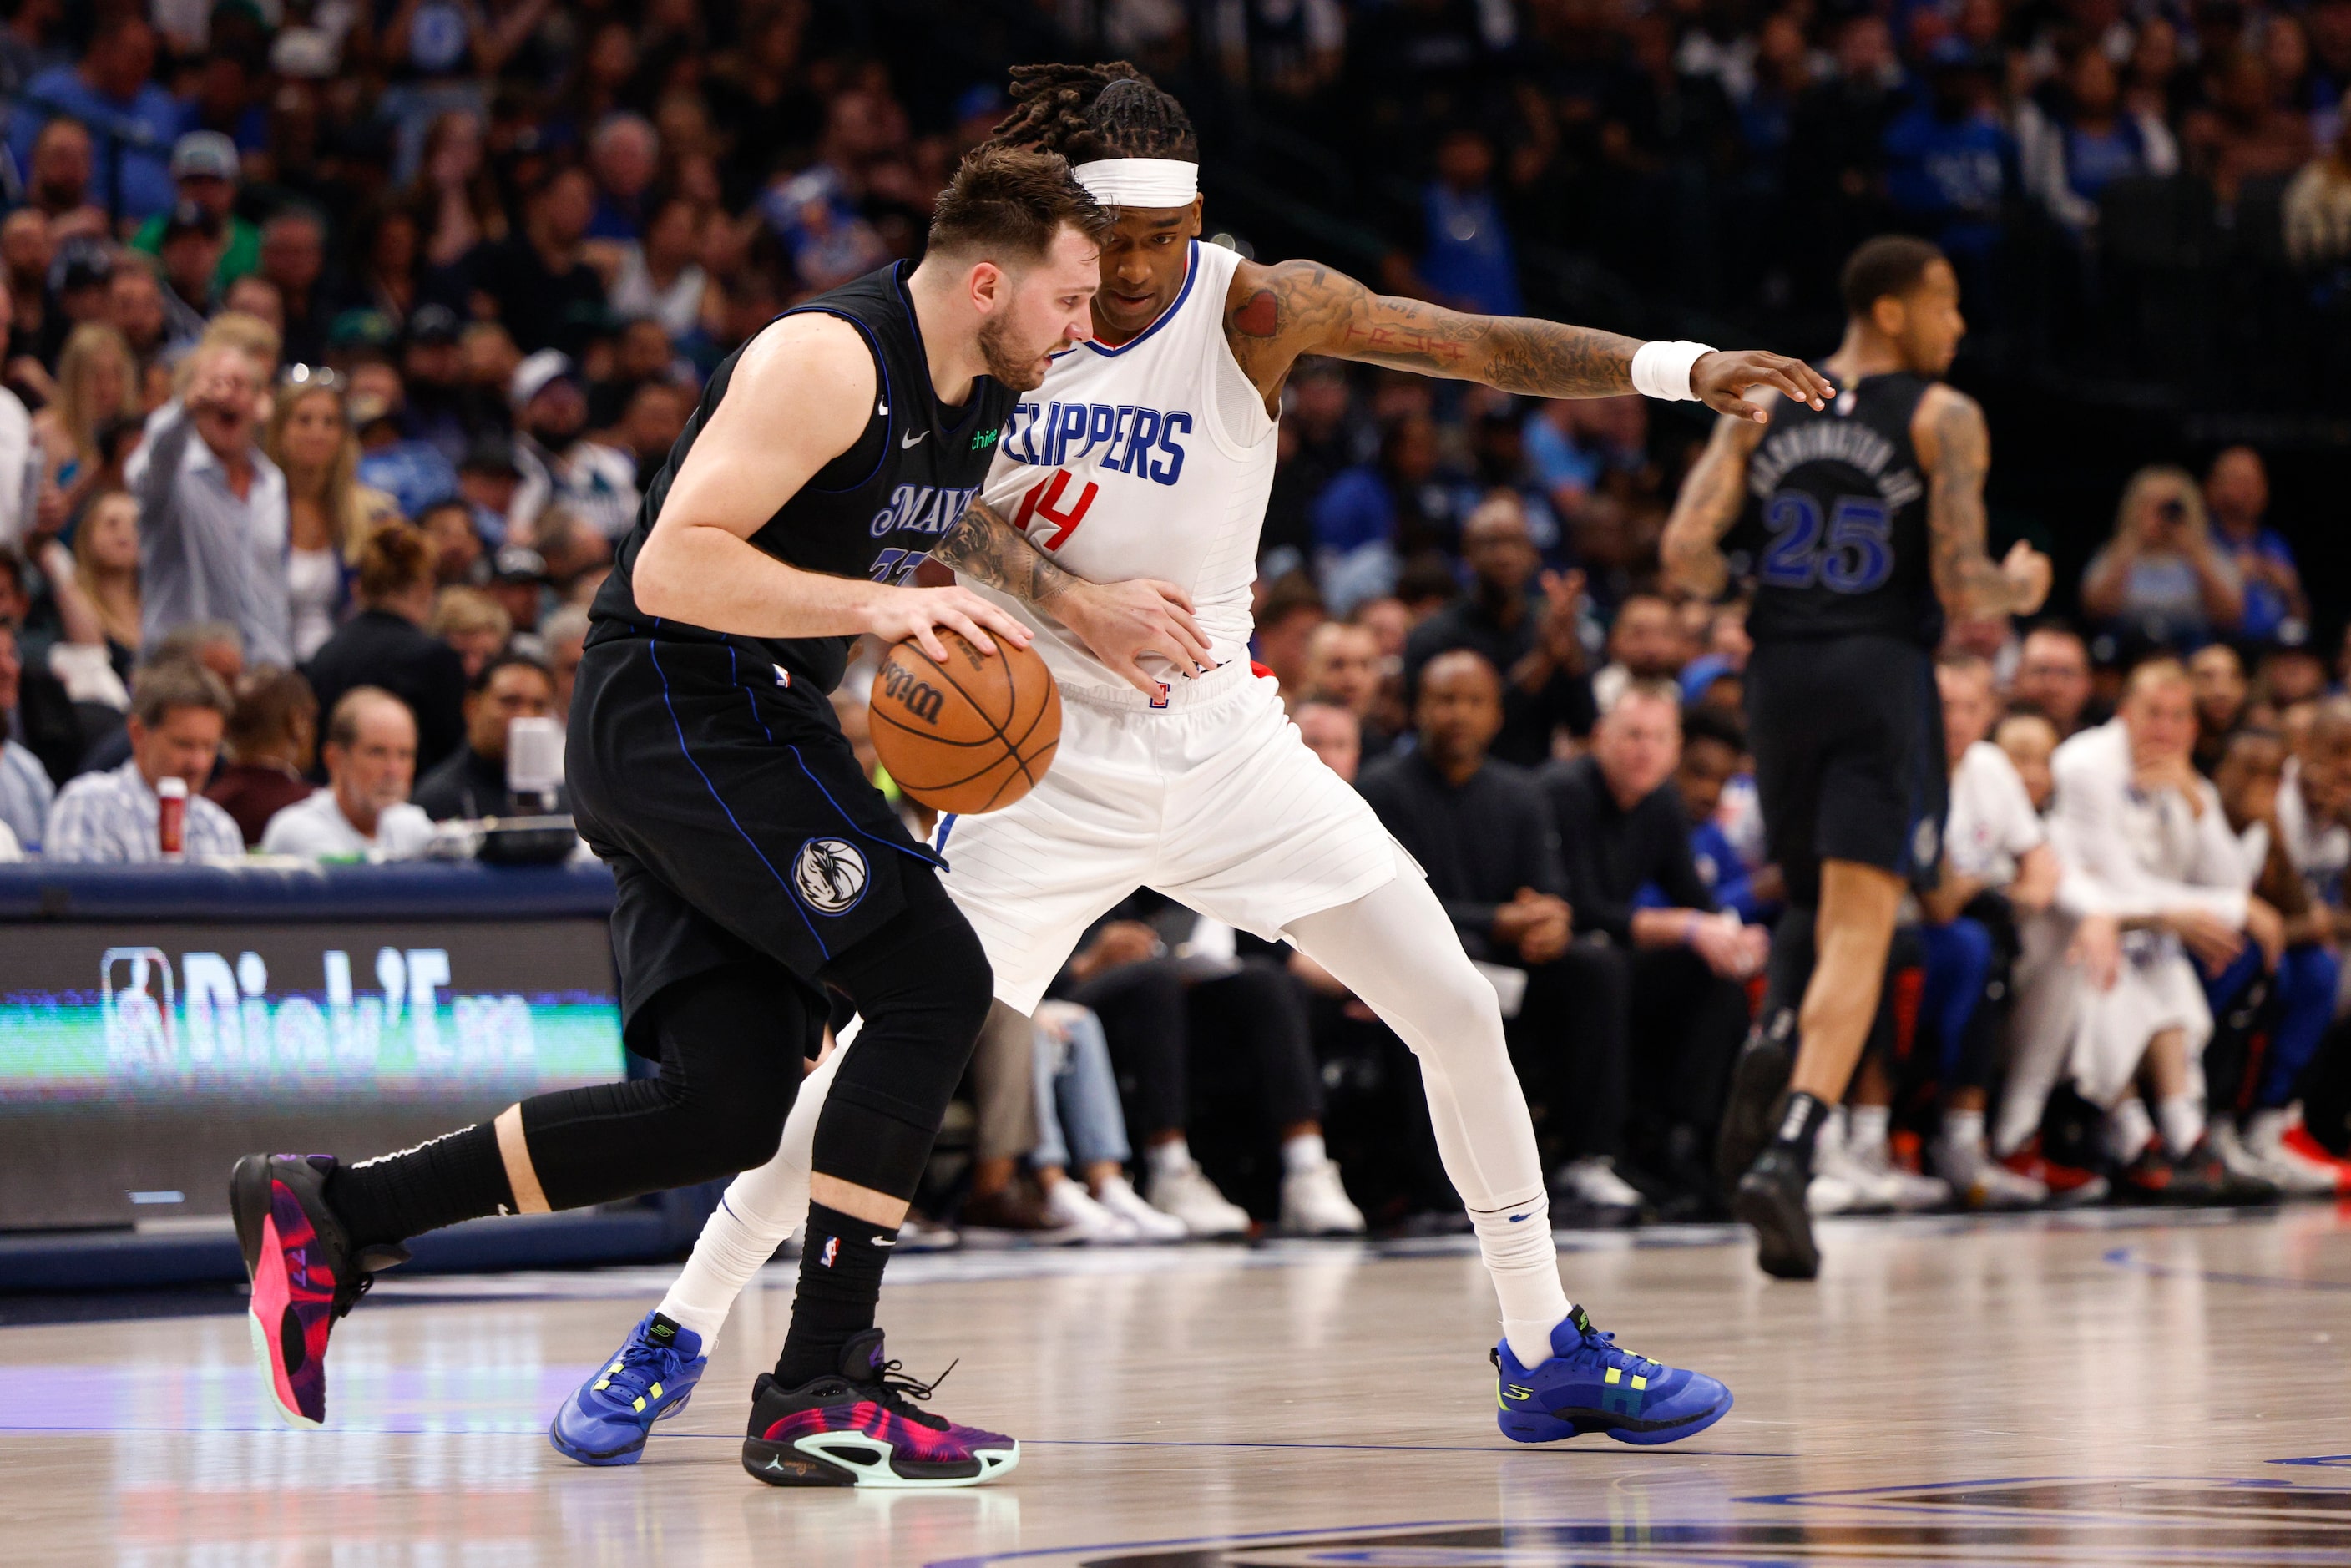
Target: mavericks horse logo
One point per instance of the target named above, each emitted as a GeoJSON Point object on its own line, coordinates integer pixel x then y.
{"type": "Point", "coordinates": [830, 875]}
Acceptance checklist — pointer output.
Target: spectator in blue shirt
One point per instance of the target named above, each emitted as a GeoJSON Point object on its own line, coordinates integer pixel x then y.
{"type": "Point", "coordinates": [1467, 262]}
{"type": "Point", "coordinates": [1949, 162]}
{"type": "Point", "coordinates": [133, 121]}
{"type": "Point", "coordinates": [2237, 493]}
{"type": "Point", "coordinates": [1713, 748]}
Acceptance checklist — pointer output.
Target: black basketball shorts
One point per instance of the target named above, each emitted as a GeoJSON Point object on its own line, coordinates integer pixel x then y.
{"type": "Point", "coordinates": [1847, 733]}
{"type": "Point", "coordinates": [736, 819]}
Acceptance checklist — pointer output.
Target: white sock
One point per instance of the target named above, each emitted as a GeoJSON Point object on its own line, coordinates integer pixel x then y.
{"type": "Point", "coordinates": [1864, 1128]}
{"type": "Point", "coordinates": [1964, 1129]}
{"type": "Point", "coordinates": [1303, 1153]}
{"type": "Point", "coordinates": [1171, 1155]}
{"type": "Point", "coordinates": [1520, 1254]}
{"type": "Point", "coordinates": [2130, 1129]}
{"type": "Point", "coordinates": [2182, 1117]}
{"type": "Point", "coordinates": [760, 1208]}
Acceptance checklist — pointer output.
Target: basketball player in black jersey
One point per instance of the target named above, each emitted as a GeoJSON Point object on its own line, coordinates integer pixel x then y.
{"type": "Point", "coordinates": [1871, 529]}
{"type": "Point", "coordinates": [756, 868]}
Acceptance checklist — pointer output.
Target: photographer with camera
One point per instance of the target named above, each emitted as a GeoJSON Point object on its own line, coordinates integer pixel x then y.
{"type": "Point", "coordinates": [2161, 575]}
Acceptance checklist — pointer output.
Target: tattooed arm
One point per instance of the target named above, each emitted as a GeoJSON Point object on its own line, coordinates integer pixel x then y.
{"type": "Point", "coordinates": [1948, 432]}
{"type": "Point", "coordinates": [1709, 504]}
{"type": "Point", "coordinates": [1121, 621]}
{"type": "Point", "coordinates": [1275, 314]}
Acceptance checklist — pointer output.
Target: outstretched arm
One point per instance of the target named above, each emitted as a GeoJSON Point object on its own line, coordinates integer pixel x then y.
{"type": "Point", "coordinates": [1121, 621]}
{"type": "Point", "coordinates": [1275, 314]}
{"type": "Point", "coordinates": [1957, 450]}
{"type": "Point", "coordinates": [1709, 504]}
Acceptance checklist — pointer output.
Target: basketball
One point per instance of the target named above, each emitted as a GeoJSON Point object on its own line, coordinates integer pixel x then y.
{"type": "Point", "coordinates": [972, 735]}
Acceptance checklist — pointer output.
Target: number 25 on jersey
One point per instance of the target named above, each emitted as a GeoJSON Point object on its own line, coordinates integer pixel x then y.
{"type": "Point", "coordinates": [1853, 553]}
{"type": "Point", "coordinates": [1047, 502]}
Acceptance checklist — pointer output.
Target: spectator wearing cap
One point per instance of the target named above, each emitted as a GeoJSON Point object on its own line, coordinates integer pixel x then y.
{"type": "Point", "coordinates": [270, 743]}
{"type": "Point", "coordinates": [177, 711]}
{"type": "Point", "coordinates": [441, 409]}
{"type": "Point", "coordinates": [473, 782]}
{"type": "Point", "coordinates": [77, 285]}
{"type": "Point", "coordinates": [518, 584]}
{"type": "Point", "coordinates": [211, 505]}
{"type": "Point", "coordinates": [58, 181]}
{"type": "Point", "coordinates": [189, 245]}
{"type": "Point", "coordinates": [133, 121]}
{"type": "Point", "coordinates": [385, 643]}
{"type": "Point", "coordinates": [204, 176]}
{"type": "Point", "coordinates": [294, 257]}
{"type": "Point", "coordinates": [546, 293]}
{"type": "Point", "coordinates": [561, 464]}
{"type": "Point", "coordinates": [489, 478]}
{"type": "Point", "coordinates": [413, 473]}
{"type": "Point", "coordinates": [363, 813]}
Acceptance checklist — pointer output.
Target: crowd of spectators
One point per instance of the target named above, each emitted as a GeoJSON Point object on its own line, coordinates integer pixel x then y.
{"type": "Point", "coordinates": [341, 342]}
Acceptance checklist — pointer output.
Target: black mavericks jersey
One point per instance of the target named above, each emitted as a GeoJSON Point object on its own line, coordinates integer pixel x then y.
{"type": "Point", "coordinates": [1837, 519]}
{"type": "Point", "coordinates": [875, 511]}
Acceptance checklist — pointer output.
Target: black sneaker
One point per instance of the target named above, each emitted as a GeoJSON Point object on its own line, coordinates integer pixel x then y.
{"type": "Point", "coordinates": [1770, 1198]}
{"type": "Point", "coordinates": [1752, 1113]}
{"type": "Point", "coordinates": [858, 1428]}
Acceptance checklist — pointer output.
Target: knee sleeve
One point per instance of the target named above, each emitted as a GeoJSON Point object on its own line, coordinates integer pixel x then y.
{"type": "Point", "coordinates": [922, 987]}
{"type": "Point", "coordinates": [731, 1043]}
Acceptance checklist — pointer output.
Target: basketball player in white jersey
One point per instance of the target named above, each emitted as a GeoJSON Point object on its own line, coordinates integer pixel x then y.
{"type": "Point", "coordinates": [1148, 454]}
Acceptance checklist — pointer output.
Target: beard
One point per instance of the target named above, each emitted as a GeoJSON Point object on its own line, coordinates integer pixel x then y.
{"type": "Point", "coordinates": [1019, 370]}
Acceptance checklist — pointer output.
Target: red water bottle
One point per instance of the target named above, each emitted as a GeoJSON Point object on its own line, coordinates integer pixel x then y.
{"type": "Point", "coordinates": [172, 817]}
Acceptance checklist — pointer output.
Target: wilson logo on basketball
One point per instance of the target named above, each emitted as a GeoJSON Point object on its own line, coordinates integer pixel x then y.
{"type": "Point", "coordinates": [917, 695]}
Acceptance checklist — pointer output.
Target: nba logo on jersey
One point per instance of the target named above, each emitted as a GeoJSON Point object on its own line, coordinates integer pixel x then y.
{"type": "Point", "coordinates": [831, 1250]}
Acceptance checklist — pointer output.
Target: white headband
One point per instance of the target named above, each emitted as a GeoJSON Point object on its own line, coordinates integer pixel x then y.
{"type": "Point", "coordinates": [1140, 181]}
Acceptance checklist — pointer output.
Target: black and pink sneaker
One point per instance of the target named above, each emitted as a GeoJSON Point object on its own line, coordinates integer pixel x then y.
{"type": "Point", "coordinates": [859, 1427]}
{"type": "Point", "coordinates": [304, 1273]}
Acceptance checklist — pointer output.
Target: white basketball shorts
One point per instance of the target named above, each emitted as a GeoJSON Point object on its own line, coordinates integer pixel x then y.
{"type": "Point", "coordinates": [1213, 799]}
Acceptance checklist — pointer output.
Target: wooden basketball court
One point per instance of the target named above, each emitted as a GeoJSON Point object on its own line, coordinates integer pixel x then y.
{"type": "Point", "coordinates": [2112, 1389]}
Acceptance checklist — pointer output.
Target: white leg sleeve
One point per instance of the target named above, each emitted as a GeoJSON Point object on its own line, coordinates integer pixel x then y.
{"type": "Point", "coordinates": [760, 1208]}
{"type": "Point", "coordinates": [1397, 950]}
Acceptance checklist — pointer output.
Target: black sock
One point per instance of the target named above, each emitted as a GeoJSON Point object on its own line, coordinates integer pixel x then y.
{"type": "Point", "coordinates": [458, 1175]}
{"type": "Point", "coordinates": [841, 1261]}
{"type": "Point", "coordinates": [1800, 1125]}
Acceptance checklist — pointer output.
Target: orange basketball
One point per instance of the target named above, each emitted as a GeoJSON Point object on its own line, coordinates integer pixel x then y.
{"type": "Point", "coordinates": [972, 735]}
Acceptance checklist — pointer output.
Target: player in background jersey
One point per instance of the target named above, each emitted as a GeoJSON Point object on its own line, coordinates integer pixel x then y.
{"type": "Point", "coordinates": [1872, 518]}
{"type": "Point", "coordinates": [1149, 449]}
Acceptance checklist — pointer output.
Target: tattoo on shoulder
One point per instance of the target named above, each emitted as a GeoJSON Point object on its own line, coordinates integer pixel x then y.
{"type": "Point", "coordinates": [985, 546]}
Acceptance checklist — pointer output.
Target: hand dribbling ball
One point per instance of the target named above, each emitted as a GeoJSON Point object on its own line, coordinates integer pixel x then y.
{"type": "Point", "coordinates": [971, 735]}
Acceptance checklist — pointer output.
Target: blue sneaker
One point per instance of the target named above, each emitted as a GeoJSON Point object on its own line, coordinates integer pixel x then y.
{"type": "Point", "coordinates": [1590, 1386]}
{"type": "Point", "coordinates": [649, 1379]}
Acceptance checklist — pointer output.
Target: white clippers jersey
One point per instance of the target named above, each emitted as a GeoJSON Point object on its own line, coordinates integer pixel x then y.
{"type": "Point", "coordinates": [1151, 459]}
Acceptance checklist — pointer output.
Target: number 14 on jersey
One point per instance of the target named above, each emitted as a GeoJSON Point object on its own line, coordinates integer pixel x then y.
{"type": "Point", "coordinates": [1047, 502]}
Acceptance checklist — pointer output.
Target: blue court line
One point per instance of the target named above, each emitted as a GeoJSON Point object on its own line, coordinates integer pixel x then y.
{"type": "Point", "coordinates": [2127, 1257]}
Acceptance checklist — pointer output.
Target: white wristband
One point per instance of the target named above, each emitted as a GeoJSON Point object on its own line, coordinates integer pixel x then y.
{"type": "Point", "coordinates": [1662, 370]}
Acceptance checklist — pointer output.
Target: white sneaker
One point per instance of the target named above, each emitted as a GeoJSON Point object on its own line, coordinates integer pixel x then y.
{"type": "Point", "coordinates": [1315, 1203]}
{"type": "Point", "coordinates": [1831, 1194]}
{"type": "Point", "coordinates": [1592, 1183]}
{"type": "Point", "coordinates": [1982, 1182]}
{"type": "Point", "coordinates": [1185, 1192]}
{"type": "Point", "coordinates": [1903, 1190]}
{"type": "Point", "coordinates": [1074, 1209]}
{"type": "Point", "coordinates": [2260, 1152]}
{"type": "Point", "coordinates": [1150, 1224]}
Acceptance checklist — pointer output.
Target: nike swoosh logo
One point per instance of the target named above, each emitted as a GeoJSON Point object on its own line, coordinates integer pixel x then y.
{"type": "Point", "coordinates": [1515, 1217]}
{"type": "Point", "coordinates": [885, 1241]}
{"type": "Point", "coordinates": [911, 437]}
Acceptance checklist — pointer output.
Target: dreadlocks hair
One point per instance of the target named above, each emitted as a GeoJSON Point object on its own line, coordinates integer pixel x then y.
{"type": "Point", "coordinates": [1089, 112]}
